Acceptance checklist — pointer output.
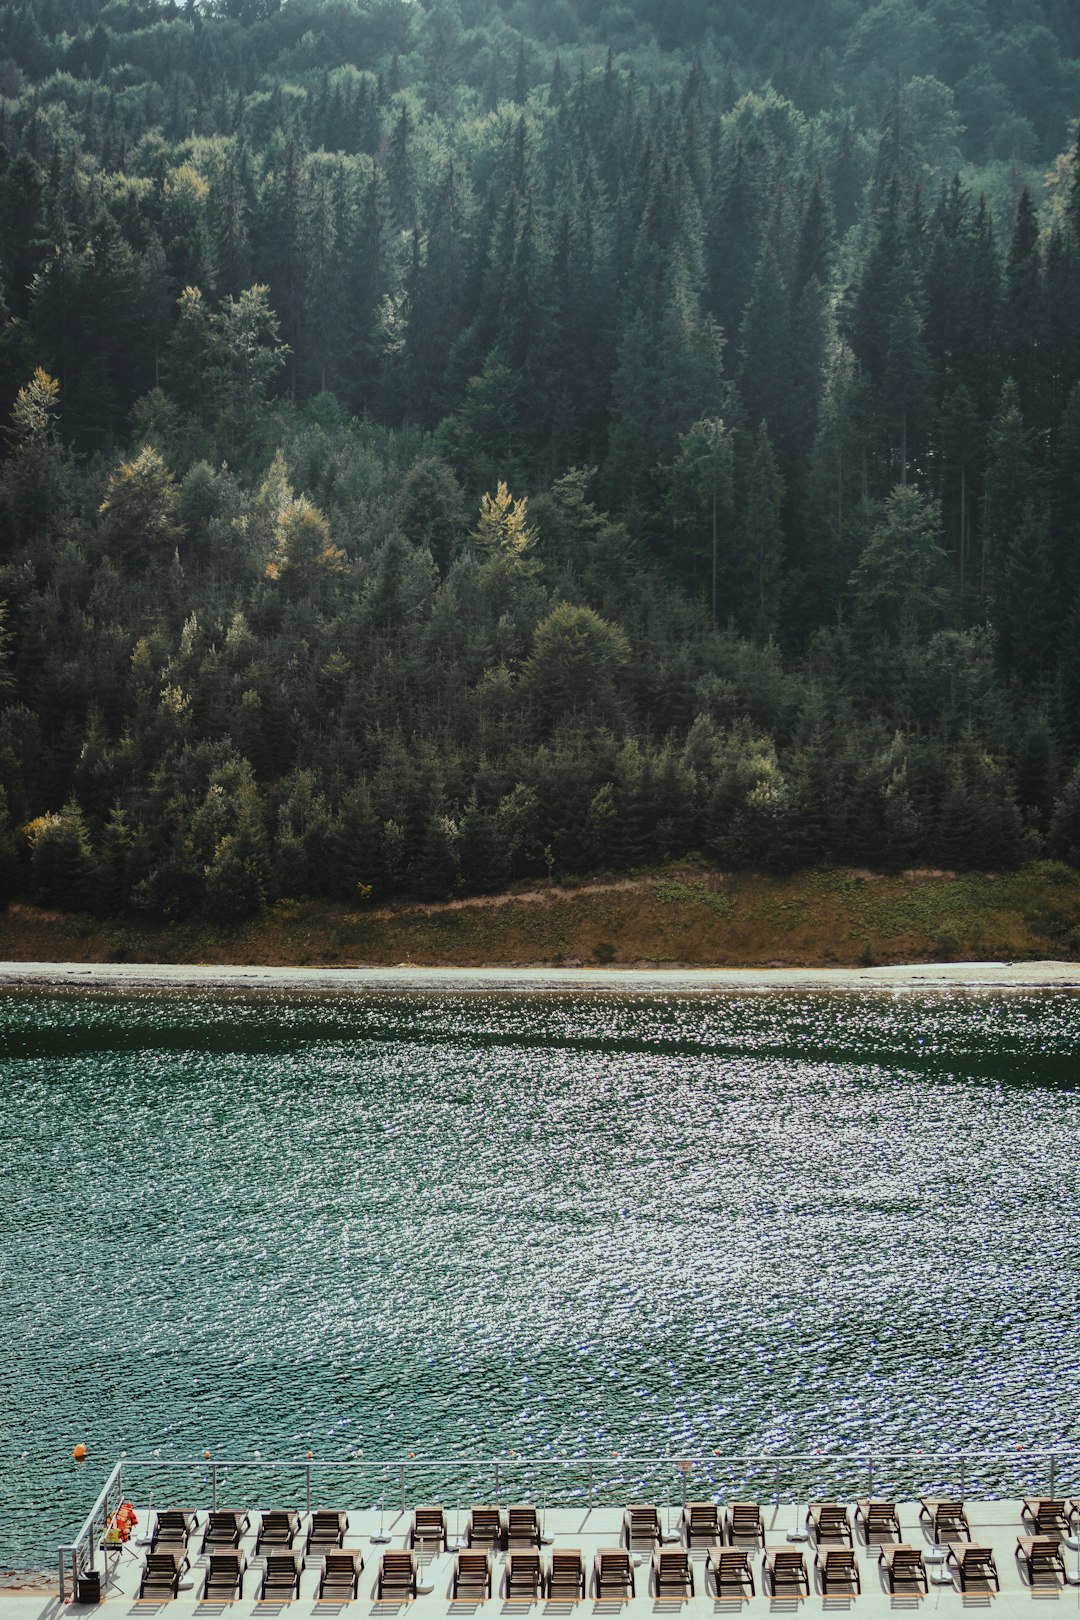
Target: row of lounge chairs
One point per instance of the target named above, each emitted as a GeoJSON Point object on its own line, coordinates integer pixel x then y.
{"type": "Point", "coordinates": [564, 1577]}
{"type": "Point", "coordinates": [277, 1530]}
{"type": "Point", "coordinates": [519, 1527]}
{"type": "Point", "coordinates": [225, 1571]}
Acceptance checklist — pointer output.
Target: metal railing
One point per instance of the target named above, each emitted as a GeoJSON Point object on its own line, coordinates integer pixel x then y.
{"type": "Point", "coordinates": [82, 1550]}
{"type": "Point", "coordinates": [564, 1481]}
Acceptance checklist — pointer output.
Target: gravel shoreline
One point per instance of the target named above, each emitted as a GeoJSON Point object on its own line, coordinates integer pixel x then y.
{"type": "Point", "coordinates": [641, 981]}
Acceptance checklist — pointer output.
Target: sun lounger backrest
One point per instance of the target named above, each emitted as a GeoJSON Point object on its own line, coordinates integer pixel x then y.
{"type": "Point", "coordinates": [567, 1568]}
{"type": "Point", "coordinates": [485, 1524]}
{"type": "Point", "coordinates": [745, 1518]}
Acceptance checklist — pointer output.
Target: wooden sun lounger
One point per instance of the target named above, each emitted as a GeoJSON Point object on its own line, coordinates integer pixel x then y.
{"type": "Point", "coordinates": [225, 1575]}
{"type": "Point", "coordinates": [702, 1522]}
{"type": "Point", "coordinates": [785, 1566]}
{"type": "Point", "coordinates": [281, 1580]}
{"type": "Point", "coordinates": [879, 1518]}
{"type": "Point", "coordinates": [1040, 1555]}
{"type": "Point", "coordinates": [397, 1576]}
{"type": "Point", "coordinates": [946, 1515]}
{"type": "Point", "coordinates": [326, 1531]}
{"type": "Point", "coordinates": [224, 1530]}
{"type": "Point", "coordinates": [161, 1573]}
{"type": "Point", "coordinates": [613, 1568]}
{"type": "Point", "coordinates": [641, 1522]}
{"type": "Point", "coordinates": [829, 1519]}
{"type": "Point", "coordinates": [340, 1579]}
{"type": "Point", "coordinates": [977, 1561]}
{"type": "Point", "coordinates": [277, 1529]}
{"type": "Point", "coordinates": [902, 1562]}
{"type": "Point", "coordinates": [744, 1519]}
{"type": "Point", "coordinates": [672, 1572]}
{"type": "Point", "coordinates": [172, 1529]}
{"type": "Point", "coordinates": [524, 1577]}
{"type": "Point", "coordinates": [522, 1527]}
{"type": "Point", "coordinates": [730, 1564]}
{"type": "Point", "coordinates": [1048, 1513]}
{"type": "Point", "coordinates": [566, 1578]}
{"type": "Point", "coordinates": [485, 1527]}
{"type": "Point", "coordinates": [428, 1528]}
{"type": "Point", "coordinates": [472, 1576]}
{"type": "Point", "coordinates": [837, 1564]}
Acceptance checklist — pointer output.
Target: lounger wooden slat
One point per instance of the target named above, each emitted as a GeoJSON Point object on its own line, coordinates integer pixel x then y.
{"type": "Point", "coordinates": [566, 1576]}
{"type": "Point", "coordinates": [281, 1579]}
{"type": "Point", "coordinates": [1040, 1555]}
{"type": "Point", "coordinates": [974, 1561]}
{"type": "Point", "coordinates": [340, 1579]}
{"type": "Point", "coordinates": [225, 1576]}
{"type": "Point", "coordinates": [524, 1577]}
{"type": "Point", "coordinates": [428, 1528]}
{"type": "Point", "coordinates": [947, 1516]}
{"type": "Point", "coordinates": [326, 1530]}
{"type": "Point", "coordinates": [730, 1565]}
{"type": "Point", "coordinates": [878, 1518]}
{"type": "Point", "coordinates": [830, 1521]}
{"type": "Point", "coordinates": [702, 1522]}
{"type": "Point", "coordinates": [902, 1562]}
{"type": "Point", "coordinates": [672, 1572]}
{"type": "Point", "coordinates": [641, 1523]}
{"type": "Point", "coordinates": [472, 1576]}
{"type": "Point", "coordinates": [277, 1527]}
{"type": "Point", "coordinates": [744, 1522]}
{"type": "Point", "coordinates": [614, 1571]}
{"type": "Point", "coordinates": [784, 1567]}
{"type": "Point", "coordinates": [397, 1576]}
{"type": "Point", "coordinates": [485, 1527]}
{"type": "Point", "coordinates": [837, 1565]}
{"type": "Point", "coordinates": [161, 1573]}
{"type": "Point", "coordinates": [224, 1529]}
{"type": "Point", "coordinates": [522, 1527]}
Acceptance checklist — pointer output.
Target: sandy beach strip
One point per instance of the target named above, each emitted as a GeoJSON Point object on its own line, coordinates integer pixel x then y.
{"type": "Point", "coordinates": [926, 976]}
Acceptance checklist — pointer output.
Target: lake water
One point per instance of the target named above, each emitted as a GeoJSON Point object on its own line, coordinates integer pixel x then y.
{"type": "Point", "coordinates": [467, 1225]}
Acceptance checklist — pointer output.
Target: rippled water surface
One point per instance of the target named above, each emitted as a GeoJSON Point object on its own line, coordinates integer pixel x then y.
{"type": "Point", "coordinates": [460, 1225]}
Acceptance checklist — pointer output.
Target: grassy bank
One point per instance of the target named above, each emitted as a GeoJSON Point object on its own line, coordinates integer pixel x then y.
{"type": "Point", "coordinates": [677, 916]}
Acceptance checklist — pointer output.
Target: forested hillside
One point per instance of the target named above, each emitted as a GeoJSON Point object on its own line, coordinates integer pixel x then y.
{"type": "Point", "coordinates": [452, 440]}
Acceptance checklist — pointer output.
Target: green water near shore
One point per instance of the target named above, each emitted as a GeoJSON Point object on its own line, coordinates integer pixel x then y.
{"type": "Point", "coordinates": [469, 1225]}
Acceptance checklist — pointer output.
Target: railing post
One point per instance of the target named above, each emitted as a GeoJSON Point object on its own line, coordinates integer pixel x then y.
{"type": "Point", "coordinates": [401, 1482]}
{"type": "Point", "coordinates": [307, 1487]}
{"type": "Point", "coordinates": [591, 1478]}
{"type": "Point", "coordinates": [1053, 1474]}
{"type": "Point", "coordinates": [61, 1573]}
{"type": "Point", "coordinates": [213, 1487]}
{"type": "Point", "coordinates": [496, 1482]}
{"type": "Point", "coordinates": [963, 1476]}
{"type": "Point", "coordinates": [870, 1477]}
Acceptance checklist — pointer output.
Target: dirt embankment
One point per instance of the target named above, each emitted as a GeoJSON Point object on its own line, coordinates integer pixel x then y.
{"type": "Point", "coordinates": [677, 917]}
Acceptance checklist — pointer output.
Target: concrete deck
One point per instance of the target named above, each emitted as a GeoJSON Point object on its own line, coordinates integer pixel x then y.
{"type": "Point", "coordinates": [996, 1524]}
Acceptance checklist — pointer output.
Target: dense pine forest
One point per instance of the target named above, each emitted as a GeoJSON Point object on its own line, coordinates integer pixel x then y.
{"type": "Point", "coordinates": [447, 441]}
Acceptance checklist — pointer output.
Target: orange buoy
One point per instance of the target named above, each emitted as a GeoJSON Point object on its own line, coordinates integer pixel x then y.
{"type": "Point", "coordinates": [79, 1453]}
{"type": "Point", "coordinates": [206, 1454]}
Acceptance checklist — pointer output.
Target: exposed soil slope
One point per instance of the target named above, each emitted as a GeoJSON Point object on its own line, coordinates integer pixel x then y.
{"type": "Point", "coordinates": [676, 917]}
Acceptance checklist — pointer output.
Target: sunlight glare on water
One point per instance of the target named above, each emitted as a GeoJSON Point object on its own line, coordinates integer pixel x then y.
{"type": "Point", "coordinates": [465, 1224]}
